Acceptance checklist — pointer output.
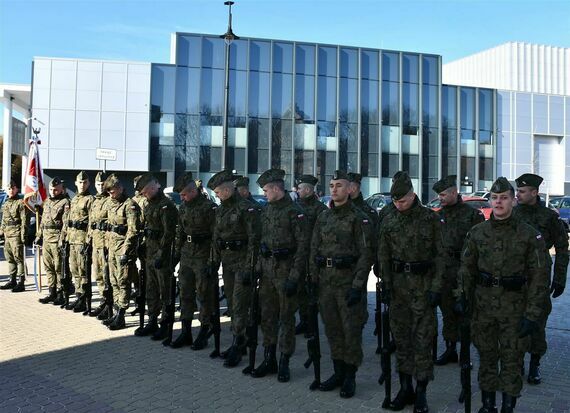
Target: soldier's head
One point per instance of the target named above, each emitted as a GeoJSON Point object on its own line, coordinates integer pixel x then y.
{"type": "Point", "coordinates": [114, 186]}
{"type": "Point", "coordinates": [242, 186]}
{"type": "Point", "coordinates": [527, 188]}
{"type": "Point", "coordinates": [100, 182]}
{"type": "Point", "coordinates": [402, 192]}
{"type": "Point", "coordinates": [82, 182]}
{"type": "Point", "coordinates": [502, 198]}
{"type": "Point", "coordinates": [306, 186]}
{"type": "Point", "coordinates": [56, 187]}
{"type": "Point", "coordinates": [355, 180]}
{"type": "Point", "coordinates": [272, 182]}
{"type": "Point", "coordinates": [13, 189]}
{"type": "Point", "coordinates": [222, 184]}
{"type": "Point", "coordinates": [186, 187]}
{"type": "Point", "coordinates": [148, 186]}
{"type": "Point", "coordinates": [446, 190]}
{"type": "Point", "coordinates": [340, 188]}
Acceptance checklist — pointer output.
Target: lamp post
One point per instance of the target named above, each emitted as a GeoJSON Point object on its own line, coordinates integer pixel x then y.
{"type": "Point", "coordinates": [228, 37]}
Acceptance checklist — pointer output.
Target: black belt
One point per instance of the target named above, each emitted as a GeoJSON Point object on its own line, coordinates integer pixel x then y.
{"type": "Point", "coordinates": [52, 226]}
{"type": "Point", "coordinates": [277, 253]}
{"type": "Point", "coordinates": [414, 267]}
{"type": "Point", "coordinates": [509, 283]}
{"type": "Point", "coordinates": [101, 225]}
{"type": "Point", "coordinates": [12, 222]}
{"type": "Point", "coordinates": [118, 229]}
{"type": "Point", "coordinates": [232, 245]}
{"type": "Point", "coordinates": [152, 233]}
{"type": "Point", "coordinates": [335, 262]}
{"type": "Point", "coordinates": [198, 238]}
{"type": "Point", "coordinates": [80, 225]}
{"type": "Point", "coordinates": [454, 254]}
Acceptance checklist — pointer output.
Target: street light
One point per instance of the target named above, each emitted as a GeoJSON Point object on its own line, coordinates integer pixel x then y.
{"type": "Point", "coordinates": [228, 37]}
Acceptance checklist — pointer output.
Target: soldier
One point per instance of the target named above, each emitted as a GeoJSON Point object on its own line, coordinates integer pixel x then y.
{"type": "Point", "coordinates": [548, 223]}
{"type": "Point", "coordinates": [457, 219]}
{"type": "Point", "coordinates": [341, 255]}
{"type": "Point", "coordinates": [391, 207]}
{"type": "Point", "coordinates": [242, 187]}
{"type": "Point", "coordinates": [13, 229]}
{"type": "Point", "coordinates": [410, 254]}
{"type": "Point", "coordinates": [312, 206]}
{"type": "Point", "coordinates": [284, 242]}
{"type": "Point", "coordinates": [141, 253]}
{"type": "Point", "coordinates": [236, 242]}
{"type": "Point", "coordinates": [160, 217]}
{"type": "Point", "coordinates": [504, 284]}
{"type": "Point", "coordinates": [122, 224]}
{"type": "Point", "coordinates": [96, 237]}
{"type": "Point", "coordinates": [51, 236]}
{"type": "Point", "coordinates": [75, 233]}
{"type": "Point", "coordinates": [196, 219]}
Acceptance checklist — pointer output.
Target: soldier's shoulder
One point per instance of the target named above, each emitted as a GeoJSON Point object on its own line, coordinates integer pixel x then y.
{"type": "Point", "coordinates": [247, 206]}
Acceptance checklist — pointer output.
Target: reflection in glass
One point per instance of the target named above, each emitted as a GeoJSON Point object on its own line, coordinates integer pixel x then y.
{"type": "Point", "coordinates": [430, 116]}
{"type": "Point", "coordinates": [259, 53]}
{"type": "Point", "coordinates": [283, 57]}
{"type": "Point", "coordinates": [348, 63]}
{"type": "Point", "coordinates": [304, 162]}
{"type": "Point", "coordinates": [238, 55]}
{"type": "Point", "coordinates": [410, 68]}
{"type": "Point", "coordinates": [163, 88]}
{"type": "Point", "coordinates": [390, 164]}
{"type": "Point", "coordinates": [281, 143]}
{"type": "Point", "coordinates": [258, 105]}
{"type": "Point", "coordinates": [369, 147]}
{"type": "Point", "coordinates": [348, 104]}
{"type": "Point", "coordinates": [212, 92]}
{"type": "Point", "coordinates": [305, 59]}
{"type": "Point", "coordinates": [281, 96]}
{"type": "Point", "coordinates": [210, 159]}
{"type": "Point", "coordinates": [327, 61]}
{"type": "Point", "coordinates": [449, 152]}
{"type": "Point", "coordinates": [449, 106]}
{"type": "Point", "coordinates": [238, 92]}
{"type": "Point", "coordinates": [369, 101]}
{"type": "Point", "coordinates": [369, 64]}
{"type": "Point", "coordinates": [304, 98]}
{"type": "Point", "coordinates": [213, 52]}
{"type": "Point", "coordinates": [187, 90]}
{"type": "Point", "coordinates": [348, 146]}
{"type": "Point", "coordinates": [258, 145]}
{"type": "Point", "coordinates": [188, 51]}
{"type": "Point", "coordinates": [326, 101]}
{"type": "Point", "coordinates": [409, 105]}
{"type": "Point", "coordinates": [467, 116]}
{"type": "Point", "coordinates": [485, 109]}
{"type": "Point", "coordinates": [430, 70]}
{"type": "Point", "coordinates": [390, 103]}
{"type": "Point", "coordinates": [503, 111]}
{"type": "Point", "coordinates": [390, 66]}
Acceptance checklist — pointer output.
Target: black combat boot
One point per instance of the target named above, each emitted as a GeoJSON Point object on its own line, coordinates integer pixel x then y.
{"type": "Point", "coordinates": [489, 400]}
{"type": "Point", "coordinates": [236, 352]}
{"type": "Point", "coordinates": [284, 374]}
{"type": "Point", "coordinates": [269, 363]}
{"type": "Point", "coordinates": [60, 298]}
{"type": "Point", "coordinates": [106, 312]}
{"type": "Point", "coordinates": [50, 297]}
{"type": "Point", "coordinates": [99, 309]}
{"type": "Point", "coordinates": [185, 337]}
{"type": "Point", "coordinates": [81, 306]}
{"type": "Point", "coordinates": [349, 383]}
{"type": "Point", "coordinates": [113, 312]}
{"type": "Point", "coordinates": [336, 379]}
{"type": "Point", "coordinates": [149, 329]}
{"type": "Point", "coordinates": [450, 354]}
{"type": "Point", "coordinates": [534, 376]}
{"type": "Point", "coordinates": [161, 332]}
{"type": "Point", "coordinates": [202, 339]}
{"type": "Point", "coordinates": [405, 395]}
{"type": "Point", "coordinates": [119, 320]}
{"type": "Point", "coordinates": [10, 284]}
{"type": "Point", "coordinates": [20, 287]}
{"type": "Point", "coordinates": [301, 328]}
{"type": "Point", "coordinates": [72, 305]}
{"type": "Point", "coordinates": [509, 403]}
{"type": "Point", "coordinates": [420, 405]}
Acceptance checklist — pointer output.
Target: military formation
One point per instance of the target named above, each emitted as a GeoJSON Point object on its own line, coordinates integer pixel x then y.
{"type": "Point", "coordinates": [492, 280]}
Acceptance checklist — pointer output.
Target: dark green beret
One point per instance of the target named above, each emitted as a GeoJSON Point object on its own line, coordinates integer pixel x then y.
{"type": "Point", "coordinates": [82, 176]}
{"type": "Point", "coordinates": [529, 180]}
{"type": "Point", "coordinates": [56, 180]}
{"type": "Point", "coordinates": [502, 184]}
{"type": "Point", "coordinates": [445, 183]}
{"type": "Point", "coordinates": [241, 181]}
{"type": "Point", "coordinates": [271, 175]}
{"type": "Point", "coordinates": [354, 177]}
{"type": "Point", "coordinates": [144, 180]}
{"type": "Point", "coordinates": [183, 181]}
{"type": "Point", "coordinates": [219, 178]}
{"type": "Point", "coordinates": [401, 186]}
{"type": "Point", "coordinates": [307, 179]}
{"type": "Point", "coordinates": [397, 175]}
{"type": "Point", "coordinates": [100, 177]}
{"type": "Point", "coordinates": [111, 182]}
{"type": "Point", "coordinates": [339, 175]}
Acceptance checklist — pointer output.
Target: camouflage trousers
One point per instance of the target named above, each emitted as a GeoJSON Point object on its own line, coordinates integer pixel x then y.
{"type": "Point", "coordinates": [239, 299]}
{"type": "Point", "coordinates": [158, 283]}
{"type": "Point", "coordinates": [538, 338]}
{"type": "Point", "coordinates": [450, 328]}
{"type": "Point", "coordinates": [99, 263]}
{"type": "Point", "coordinates": [494, 331]}
{"type": "Point", "coordinates": [77, 267]}
{"type": "Point", "coordinates": [119, 277]}
{"type": "Point", "coordinates": [277, 310]}
{"type": "Point", "coordinates": [14, 254]}
{"type": "Point", "coordinates": [51, 258]}
{"type": "Point", "coordinates": [303, 299]}
{"type": "Point", "coordinates": [194, 284]}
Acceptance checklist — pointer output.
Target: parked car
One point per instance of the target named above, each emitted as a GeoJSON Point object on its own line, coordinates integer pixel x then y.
{"type": "Point", "coordinates": [555, 201]}
{"type": "Point", "coordinates": [174, 196]}
{"type": "Point", "coordinates": [378, 201]}
{"type": "Point", "coordinates": [481, 194]}
{"type": "Point", "coordinates": [564, 210]}
{"type": "Point", "coordinates": [476, 202]}
{"type": "Point", "coordinates": [262, 199]}
{"type": "Point", "coordinates": [326, 199]}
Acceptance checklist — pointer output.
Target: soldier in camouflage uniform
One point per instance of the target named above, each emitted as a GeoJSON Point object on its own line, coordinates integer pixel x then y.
{"type": "Point", "coordinates": [504, 282]}
{"type": "Point", "coordinates": [13, 229]}
{"type": "Point", "coordinates": [236, 243]}
{"type": "Point", "coordinates": [160, 217]}
{"type": "Point", "coordinates": [196, 218]}
{"type": "Point", "coordinates": [457, 219]}
{"type": "Point", "coordinates": [410, 253]}
{"type": "Point", "coordinates": [242, 188]}
{"type": "Point", "coordinates": [123, 218]}
{"type": "Point", "coordinates": [341, 255]}
{"type": "Point", "coordinates": [74, 231]}
{"type": "Point", "coordinates": [312, 206]}
{"type": "Point", "coordinates": [389, 208]}
{"type": "Point", "coordinates": [51, 236]}
{"type": "Point", "coordinates": [284, 243]}
{"type": "Point", "coordinates": [548, 223]}
{"type": "Point", "coordinates": [134, 275]}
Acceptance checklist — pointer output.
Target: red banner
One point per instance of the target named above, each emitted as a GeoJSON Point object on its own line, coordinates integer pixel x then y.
{"type": "Point", "coordinates": [34, 189]}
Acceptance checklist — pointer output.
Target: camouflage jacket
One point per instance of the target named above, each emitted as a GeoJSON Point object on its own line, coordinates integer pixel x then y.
{"type": "Point", "coordinates": [161, 218]}
{"type": "Point", "coordinates": [196, 220]}
{"type": "Point", "coordinates": [384, 212]}
{"type": "Point", "coordinates": [548, 223]}
{"type": "Point", "coordinates": [284, 227]}
{"type": "Point", "coordinates": [14, 219]}
{"type": "Point", "coordinates": [123, 216]}
{"type": "Point", "coordinates": [341, 231]}
{"type": "Point", "coordinates": [312, 207]}
{"type": "Point", "coordinates": [506, 248]}
{"type": "Point", "coordinates": [54, 213]}
{"type": "Point", "coordinates": [413, 236]}
{"type": "Point", "coordinates": [98, 220]}
{"type": "Point", "coordinates": [372, 216]}
{"type": "Point", "coordinates": [77, 219]}
{"type": "Point", "coordinates": [141, 202]}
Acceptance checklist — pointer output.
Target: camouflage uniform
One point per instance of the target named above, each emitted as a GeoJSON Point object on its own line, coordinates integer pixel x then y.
{"type": "Point", "coordinates": [134, 275]}
{"type": "Point", "coordinates": [13, 228]}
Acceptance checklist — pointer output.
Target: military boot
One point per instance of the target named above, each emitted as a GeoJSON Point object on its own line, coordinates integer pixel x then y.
{"type": "Point", "coordinates": [534, 376]}
{"type": "Point", "coordinates": [50, 297]}
{"type": "Point", "coordinates": [98, 310]}
{"type": "Point", "coordinates": [10, 284]}
{"type": "Point", "coordinates": [20, 287]}
{"type": "Point", "coordinates": [202, 339]}
{"type": "Point", "coordinates": [450, 354]}
{"type": "Point", "coordinates": [113, 312]}
{"type": "Point", "coordinates": [336, 379]}
{"type": "Point", "coordinates": [81, 306]}
{"type": "Point", "coordinates": [420, 405]}
{"type": "Point", "coordinates": [118, 322]}
{"type": "Point", "coordinates": [106, 312]}
{"type": "Point", "coordinates": [405, 395]}
{"type": "Point", "coordinates": [236, 352]}
{"type": "Point", "coordinates": [60, 298]}
{"type": "Point", "coordinates": [489, 402]}
{"type": "Point", "coordinates": [161, 332]}
{"type": "Point", "coordinates": [284, 374]}
{"type": "Point", "coordinates": [509, 403]}
{"type": "Point", "coordinates": [301, 328]}
{"type": "Point", "coordinates": [269, 363]}
{"type": "Point", "coordinates": [185, 337]}
{"type": "Point", "coordinates": [349, 383]}
{"type": "Point", "coordinates": [72, 305]}
{"type": "Point", "coordinates": [149, 329]}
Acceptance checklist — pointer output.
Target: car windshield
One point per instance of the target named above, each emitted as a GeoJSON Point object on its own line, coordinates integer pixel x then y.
{"type": "Point", "coordinates": [478, 204]}
{"type": "Point", "coordinates": [555, 202]}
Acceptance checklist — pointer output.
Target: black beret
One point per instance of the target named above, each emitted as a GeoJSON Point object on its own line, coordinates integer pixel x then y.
{"type": "Point", "coordinates": [529, 180]}
{"type": "Point", "coordinates": [307, 179]}
{"type": "Point", "coordinates": [502, 184]}
{"type": "Point", "coordinates": [338, 174]}
{"type": "Point", "coordinates": [144, 180]}
{"type": "Point", "coordinates": [183, 181]}
{"type": "Point", "coordinates": [241, 181]}
{"type": "Point", "coordinates": [445, 183]}
{"type": "Point", "coordinates": [219, 178]}
{"type": "Point", "coordinates": [271, 175]}
{"type": "Point", "coordinates": [401, 186]}
{"type": "Point", "coordinates": [354, 177]}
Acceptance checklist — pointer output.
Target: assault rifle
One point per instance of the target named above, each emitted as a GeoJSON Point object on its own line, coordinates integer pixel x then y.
{"type": "Point", "coordinates": [66, 282]}
{"type": "Point", "coordinates": [465, 362]}
{"type": "Point", "coordinates": [171, 307]}
{"type": "Point", "coordinates": [88, 288]}
{"type": "Point", "coordinates": [216, 328]}
{"type": "Point", "coordinates": [254, 319]}
{"type": "Point", "coordinates": [313, 343]}
{"type": "Point", "coordinates": [382, 317]}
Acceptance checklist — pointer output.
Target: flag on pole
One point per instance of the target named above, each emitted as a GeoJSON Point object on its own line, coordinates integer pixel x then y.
{"type": "Point", "coordinates": [34, 189]}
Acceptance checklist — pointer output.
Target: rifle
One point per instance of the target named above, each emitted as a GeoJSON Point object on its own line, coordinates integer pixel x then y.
{"type": "Point", "coordinates": [108, 291]}
{"type": "Point", "coordinates": [313, 343]}
{"type": "Point", "coordinates": [171, 308]}
{"type": "Point", "coordinates": [434, 342]}
{"type": "Point", "coordinates": [66, 283]}
{"type": "Point", "coordinates": [383, 334]}
{"type": "Point", "coordinates": [254, 318]}
{"type": "Point", "coordinates": [465, 362]}
{"type": "Point", "coordinates": [88, 261]}
{"type": "Point", "coordinates": [216, 328]}
{"type": "Point", "coordinates": [141, 298]}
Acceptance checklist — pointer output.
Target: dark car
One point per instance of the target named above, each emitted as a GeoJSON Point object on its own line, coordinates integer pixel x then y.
{"type": "Point", "coordinates": [326, 199]}
{"type": "Point", "coordinates": [262, 199]}
{"type": "Point", "coordinates": [564, 210]}
{"type": "Point", "coordinates": [378, 201]}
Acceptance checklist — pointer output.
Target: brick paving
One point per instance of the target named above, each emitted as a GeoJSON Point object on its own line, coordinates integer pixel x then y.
{"type": "Point", "coordinates": [58, 361]}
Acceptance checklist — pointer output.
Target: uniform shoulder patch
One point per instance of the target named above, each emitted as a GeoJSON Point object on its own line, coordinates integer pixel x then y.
{"type": "Point", "coordinates": [365, 221]}
{"type": "Point", "coordinates": [301, 216]}
{"type": "Point", "coordinates": [251, 210]}
{"type": "Point", "coordinates": [539, 236]}
{"type": "Point", "coordinates": [165, 207]}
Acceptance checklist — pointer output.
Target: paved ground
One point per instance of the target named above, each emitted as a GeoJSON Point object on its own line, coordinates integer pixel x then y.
{"type": "Point", "coordinates": [55, 360]}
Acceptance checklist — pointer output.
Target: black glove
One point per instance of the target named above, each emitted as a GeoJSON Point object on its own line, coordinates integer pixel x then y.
{"type": "Point", "coordinates": [386, 296]}
{"type": "Point", "coordinates": [434, 298]}
{"type": "Point", "coordinates": [158, 263]}
{"type": "Point", "coordinates": [556, 289]}
{"type": "Point", "coordinates": [353, 296]}
{"type": "Point", "coordinates": [124, 260]}
{"type": "Point", "coordinates": [246, 278]}
{"type": "Point", "coordinates": [461, 305]}
{"type": "Point", "coordinates": [376, 269]}
{"type": "Point", "coordinates": [290, 288]}
{"type": "Point", "coordinates": [527, 327]}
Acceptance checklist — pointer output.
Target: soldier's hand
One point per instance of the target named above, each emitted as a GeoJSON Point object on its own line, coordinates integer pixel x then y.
{"type": "Point", "coordinates": [386, 296]}
{"type": "Point", "coordinates": [290, 288]}
{"type": "Point", "coordinates": [556, 289]}
{"type": "Point", "coordinates": [157, 263]}
{"type": "Point", "coordinates": [527, 327]}
{"type": "Point", "coordinates": [434, 298]}
{"type": "Point", "coordinates": [353, 296]}
{"type": "Point", "coordinates": [124, 260]}
{"type": "Point", "coordinates": [246, 278]}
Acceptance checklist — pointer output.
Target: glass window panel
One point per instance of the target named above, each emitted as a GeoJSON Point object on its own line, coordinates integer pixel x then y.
{"type": "Point", "coordinates": [187, 130]}
{"type": "Point", "coordinates": [485, 169]}
{"type": "Point", "coordinates": [238, 55]}
{"type": "Point", "coordinates": [213, 52]}
{"type": "Point", "coordinates": [304, 98]}
{"type": "Point", "coordinates": [162, 88]}
{"type": "Point", "coordinates": [187, 90]}
{"type": "Point", "coordinates": [166, 156]}
{"type": "Point", "coordinates": [369, 141]}
{"type": "Point", "coordinates": [486, 109]}
{"type": "Point", "coordinates": [430, 115]}
{"type": "Point", "coordinates": [210, 159]}
{"type": "Point", "coordinates": [467, 175]}
{"type": "Point", "coordinates": [258, 145]}
{"type": "Point", "coordinates": [410, 68]}
{"type": "Point", "coordinates": [369, 101]}
{"type": "Point", "coordinates": [281, 143]}
{"type": "Point", "coordinates": [411, 163]}
{"type": "Point", "coordinates": [430, 70]}
{"type": "Point", "coordinates": [390, 164]}
{"type": "Point", "coordinates": [523, 113]}
{"type": "Point", "coordinates": [348, 63]}
{"type": "Point", "coordinates": [238, 92]}
{"type": "Point", "coordinates": [391, 66]}
{"type": "Point", "coordinates": [258, 94]}
{"type": "Point", "coordinates": [540, 113]}
{"type": "Point", "coordinates": [304, 162]}
{"type": "Point", "coordinates": [282, 57]}
{"type": "Point", "coordinates": [369, 64]}
{"type": "Point", "coordinates": [449, 106]}
{"type": "Point", "coordinates": [281, 95]}
{"type": "Point", "coordinates": [212, 92]}
{"type": "Point", "coordinates": [430, 141]}
{"type": "Point", "coordinates": [236, 159]}
{"type": "Point", "coordinates": [163, 129]}
{"type": "Point", "coordinates": [348, 104]}
{"type": "Point", "coordinates": [259, 56]}
{"type": "Point", "coordinates": [467, 108]}
{"type": "Point", "coordinates": [210, 129]}
{"type": "Point", "coordinates": [504, 111]}
{"type": "Point", "coordinates": [327, 61]}
{"type": "Point", "coordinates": [410, 104]}
{"type": "Point", "coordinates": [326, 100]}
{"type": "Point", "coordinates": [449, 152]}
{"type": "Point", "coordinates": [305, 59]}
{"type": "Point", "coordinates": [557, 115]}
{"type": "Point", "coordinates": [188, 51]}
{"type": "Point", "coordinates": [390, 103]}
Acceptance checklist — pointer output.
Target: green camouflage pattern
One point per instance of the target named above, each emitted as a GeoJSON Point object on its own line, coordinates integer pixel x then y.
{"type": "Point", "coordinates": [14, 220]}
